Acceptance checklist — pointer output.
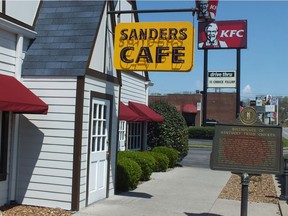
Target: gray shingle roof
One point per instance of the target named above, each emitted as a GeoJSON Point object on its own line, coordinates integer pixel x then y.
{"type": "Point", "coordinates": [65, 34]}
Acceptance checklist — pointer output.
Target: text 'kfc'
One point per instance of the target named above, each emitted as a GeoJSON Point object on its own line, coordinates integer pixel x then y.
{"type": "Point", "coordinates": [230, 34]}
{"type": "Point", "coordinates": [154, 46]}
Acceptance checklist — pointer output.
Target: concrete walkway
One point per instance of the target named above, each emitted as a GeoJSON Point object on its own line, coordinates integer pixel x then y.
{"type": "Point", "coordinates": [185, 191]}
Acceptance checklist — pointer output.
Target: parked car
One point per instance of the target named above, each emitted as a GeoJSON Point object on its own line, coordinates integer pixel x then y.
{"type": "Point", "coordinates": [211, 122]}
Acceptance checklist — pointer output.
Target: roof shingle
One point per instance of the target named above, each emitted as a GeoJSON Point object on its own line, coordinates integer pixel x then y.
{"type": "Point", "coordinates": [65, 34]}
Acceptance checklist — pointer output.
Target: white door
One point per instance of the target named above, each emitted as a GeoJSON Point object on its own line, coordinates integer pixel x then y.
{"type": "Point", "coordinates": [98, 150]}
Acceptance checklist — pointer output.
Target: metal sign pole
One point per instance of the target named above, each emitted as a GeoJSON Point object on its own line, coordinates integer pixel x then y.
{"type": "Point", "coordinates": [238, 58]}
{"type": "Point", "coordinates": [204, 94]}
{"type": "Point", "coordinates": [244, 196]}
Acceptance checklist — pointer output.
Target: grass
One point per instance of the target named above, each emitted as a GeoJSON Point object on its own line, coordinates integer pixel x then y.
{"type": "Point", "coordinates": [195, 145]}
{"type": "Point", "coordinates": [285, 142]}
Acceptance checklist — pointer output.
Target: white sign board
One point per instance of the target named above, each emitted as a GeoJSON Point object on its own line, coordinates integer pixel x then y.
{"type": "Point", "coordinates": [259, 102]}
{"type": "Point", "coordinates": [198, 106]}
{"type": "Point", "coordinates": [222, 79]}
{"type": "Point", "coordinates": [269, 108]}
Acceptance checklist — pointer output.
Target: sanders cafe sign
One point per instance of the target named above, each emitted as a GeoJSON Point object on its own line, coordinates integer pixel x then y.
{"type": "Point", "coordinates": [157, 46]}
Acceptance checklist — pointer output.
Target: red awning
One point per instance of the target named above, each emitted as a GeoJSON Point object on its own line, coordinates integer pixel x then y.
{"type": "Point", "coordinates": [15, 97]}
{"type": "Point", "coordinates": [146, 112]}
{"type": "Point", "coordinates": [189, 108]}
{"type": "Point", "coordinates": [127, 114]}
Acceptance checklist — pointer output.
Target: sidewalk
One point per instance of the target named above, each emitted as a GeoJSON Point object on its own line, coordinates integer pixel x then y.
{"type": "Point", "coordinates": [185, 191]}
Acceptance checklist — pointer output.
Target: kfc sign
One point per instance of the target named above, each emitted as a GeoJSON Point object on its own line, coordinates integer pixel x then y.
{"type": "Point", "coordinates": [206, 10]}
{"type": "Point", "coordinates": [222, 35]}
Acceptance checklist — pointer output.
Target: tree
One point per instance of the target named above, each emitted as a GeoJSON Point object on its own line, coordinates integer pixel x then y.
{"type": "Point", "coordinates": [172, 132]}
{"type": "Point", "coordinates": [283, 109]}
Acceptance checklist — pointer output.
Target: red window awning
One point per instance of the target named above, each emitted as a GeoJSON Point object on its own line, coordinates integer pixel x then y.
{"type": "Point", "coordinates": [127, 114]}
{"type": "Point", "coordinates": [15, 97]}
{"type": "Point", "coordinates": [189, 108]}
{"type": "Point", "coordinates": [146, 112]}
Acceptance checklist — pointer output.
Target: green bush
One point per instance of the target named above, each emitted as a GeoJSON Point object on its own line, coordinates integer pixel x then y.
{"type": "Point", "coordinates": [171, 153]}
{"type": "Point", "coordinates": [162, 161]}
{"type": "Point", "coordinates": [201, 132]}
{"type": "Point", "coordinates": [128, 174]}
{"type": "Point", "coordinates": [172, 132]}
{"type": "Point", "coordinates": [145, 161]}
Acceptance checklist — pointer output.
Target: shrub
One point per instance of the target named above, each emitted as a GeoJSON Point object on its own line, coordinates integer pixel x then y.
{"type": "Point", "coordinates": [201, 132]}
{"type": "Point", "coordinates": [128, 174]}
{"type": "Point", "coordinates": [172, 132]}
{"type": "Point", "coordinates": [162, 161]}
{"type": "Point", "coordinates": [145, 161]}
{"type": "Point", "coordinates": [171, 153]}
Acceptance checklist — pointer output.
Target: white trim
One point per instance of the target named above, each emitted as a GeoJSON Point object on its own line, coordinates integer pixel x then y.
{"type": "Point", "coordinates": [19, 56]}
{"type": "Point", "coordinates": [17, 29]}
{"type": "Point", "coordinates": [13, 158]}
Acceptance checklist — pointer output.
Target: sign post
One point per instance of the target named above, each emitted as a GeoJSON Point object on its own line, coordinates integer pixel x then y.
{"type": "Point", "coordinates": [222, 35]}
{"type": "Point", "coordinates": [247, 147]}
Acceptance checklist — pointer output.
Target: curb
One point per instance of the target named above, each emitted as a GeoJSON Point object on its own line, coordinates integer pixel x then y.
{"type": "Point", "coordinates": [283, 206]}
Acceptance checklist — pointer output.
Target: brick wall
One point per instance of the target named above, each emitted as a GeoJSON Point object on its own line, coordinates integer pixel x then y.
{"type": "Point", "coordinates": [220, 106]}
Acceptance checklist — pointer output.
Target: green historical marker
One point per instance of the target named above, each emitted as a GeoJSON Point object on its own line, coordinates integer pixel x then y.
{"type": "Point", "coordinates": [247, 146]}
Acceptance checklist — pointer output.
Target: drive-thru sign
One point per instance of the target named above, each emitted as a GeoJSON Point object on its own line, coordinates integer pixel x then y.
{"type": "Point", "coordinates": [154, 46]}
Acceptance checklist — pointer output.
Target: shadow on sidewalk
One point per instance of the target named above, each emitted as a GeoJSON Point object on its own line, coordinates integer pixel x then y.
{"type": "Point", "coordinates": [136, 195]}
{"type": "Point", "coordinates": [202, 214]}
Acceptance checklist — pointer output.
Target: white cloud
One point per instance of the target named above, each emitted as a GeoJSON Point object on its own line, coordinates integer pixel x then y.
{"type": "Point", "coordinates": [247, 89]}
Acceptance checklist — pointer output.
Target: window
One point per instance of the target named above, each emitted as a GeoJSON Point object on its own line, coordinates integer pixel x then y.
{"type": "Point", "coordinates": [4, 123]}
{"type": "Point", "coordinates": [99, 130]}
{"type": "Point", "coordinates": [122, 135]}
{"type": "Point", "coordinates": [134, 135]}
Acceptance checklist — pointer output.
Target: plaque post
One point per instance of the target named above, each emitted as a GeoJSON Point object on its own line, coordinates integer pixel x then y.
{"type": "Point", "coordinates": [244, 196]}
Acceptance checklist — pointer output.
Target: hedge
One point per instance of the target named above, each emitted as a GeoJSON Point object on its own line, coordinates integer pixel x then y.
{"type": "Point", "coordinates": [128, 174]}
{"type": "Point", "coordinates": [201, 132]}
{"type": "Point", "coordinates": [162, 161]}
{"type": "Point", "coordinates": [145, 161]}
{"type": "Point", "coordinates": [171, 153]}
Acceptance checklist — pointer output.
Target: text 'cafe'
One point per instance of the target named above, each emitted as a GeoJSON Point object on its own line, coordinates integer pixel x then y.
{"type": "Point", "coordinates": [154, 46]}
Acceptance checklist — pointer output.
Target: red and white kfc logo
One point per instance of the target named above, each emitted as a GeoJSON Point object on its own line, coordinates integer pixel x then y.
{"type": "Point", "coordinates": [206, 10]}
{"type": "Point", "coordinates": [222, 35]}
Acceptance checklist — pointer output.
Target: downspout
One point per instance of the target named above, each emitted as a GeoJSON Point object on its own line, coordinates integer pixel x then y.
{"type": "Point", "coordinates": [15, 121]}
{"type": "Point", "coordinates": [145, 131]}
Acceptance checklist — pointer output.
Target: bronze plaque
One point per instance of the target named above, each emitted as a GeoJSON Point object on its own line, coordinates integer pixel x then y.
{"type": "Point", "coordinates": [242, 148]}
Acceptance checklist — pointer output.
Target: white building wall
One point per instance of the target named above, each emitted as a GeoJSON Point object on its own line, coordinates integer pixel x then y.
{"type": "Point", "coordinates": [45, 162]}
{"type": "Point", "coordinates": [97, 60]}
{"type": "Point", "coordinates": [25, 11]}
{"type": "Point", "coordinates": [125, 5]}
{"type": "Point", "coordinates": [7, 52]}
{"type": "Point", "coordinates": [96, 85]}
{"type": "Point", "coordinates": [133, 89]}
{"type": "Point", "coordinates": [7, 67]}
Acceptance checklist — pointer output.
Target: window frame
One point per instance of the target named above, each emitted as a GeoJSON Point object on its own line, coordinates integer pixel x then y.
{"type": "Point", "coordinates": [135, 136]}
{"type": "Point", "coordinates": [4, 121]}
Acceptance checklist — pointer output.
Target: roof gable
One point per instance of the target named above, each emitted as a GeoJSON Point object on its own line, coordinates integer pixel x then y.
{"type": "Point", "coordinates": [66, 31]}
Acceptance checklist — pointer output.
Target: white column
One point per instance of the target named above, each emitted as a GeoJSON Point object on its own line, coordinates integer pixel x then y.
{"type": "Point", "coordinates": [19, 56]}
{"type": "Point", "coordinates": [15, 123]}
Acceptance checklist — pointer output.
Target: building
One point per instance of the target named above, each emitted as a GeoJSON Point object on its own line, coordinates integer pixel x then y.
{"type": "Point", "coordinates": [220, 106]}
{"type": "Point", "coordinates": [63, 52]}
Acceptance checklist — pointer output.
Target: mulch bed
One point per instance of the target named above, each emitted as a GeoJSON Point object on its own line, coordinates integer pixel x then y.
{"type": "Point", "coordinates": [23, 210]}
{"type": "Point", "coordinates": [261, 189]}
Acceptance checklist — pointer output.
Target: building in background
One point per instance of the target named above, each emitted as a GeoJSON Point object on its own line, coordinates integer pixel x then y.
{"type": "Point", "coordinates": [221, 107]}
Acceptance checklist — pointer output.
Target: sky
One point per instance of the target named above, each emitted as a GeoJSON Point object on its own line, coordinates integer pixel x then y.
{"type": "Point", "coordinates": [263, 64]}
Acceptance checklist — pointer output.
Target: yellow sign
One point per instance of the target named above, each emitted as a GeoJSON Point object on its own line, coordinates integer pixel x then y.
{"type": "Point", "coordinates": [150, 46]}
